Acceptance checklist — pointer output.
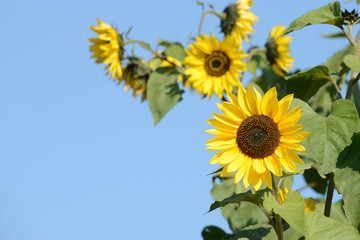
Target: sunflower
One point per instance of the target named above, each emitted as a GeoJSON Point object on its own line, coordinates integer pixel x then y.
{"type": "Point", "coordinates": [214, 66]}
{"type": "Point", "coordinates": [136, 75]}
{"type": "Point", "coordinates": [108, 48]}
{"type": "Point", "coordinates": [309, 202]}
{"type": "Point", "coordinates": [239, 20]}
{"type": "Point", "coordinates": [277, 51]}
{"type": "Point", "coordinates": [256, 136]}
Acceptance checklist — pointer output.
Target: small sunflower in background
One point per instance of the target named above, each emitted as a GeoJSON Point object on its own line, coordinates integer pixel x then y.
{"type": "Point", "coordinates": [277, 51]}
{"type": "Point", "coordinates": [256, 136]}
{"type": "Point", "coordinates": [213, 66]}
{"type": "Point", "coordinates": [239, 20]}
{"type": "Point", "coordinates": [136, 75]}
{"type": "Point", "coordinates": [108, 49]}
{"type": "Point", "coordinates": [309, 202]}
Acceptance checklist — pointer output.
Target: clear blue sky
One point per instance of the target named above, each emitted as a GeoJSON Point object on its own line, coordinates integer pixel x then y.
{"type": "Point", "coordinates": [79, 158]}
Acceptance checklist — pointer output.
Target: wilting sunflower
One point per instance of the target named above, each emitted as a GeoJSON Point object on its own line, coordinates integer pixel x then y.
{"type": "Point", "coordinates": [309, 203]}
{"type": "Point", "coordinates": [239, 20]}
{"type": "Point", "coordinates": [108, 48]}
{"type": "Point", "coordinates": [256, 136]}
{"type": "Point", "coordinates": [136, 75]}
{"type": "Point", "coordinates": [214, 66]}
{"type": "Point", "coordinates": [277, 51]}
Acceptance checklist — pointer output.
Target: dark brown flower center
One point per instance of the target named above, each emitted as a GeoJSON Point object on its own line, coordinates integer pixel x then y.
{"type": "Point", "coordinates": [217, 63]}
{"type": "Point", "coordinates": [271, 51]}
{"type": "Point", "coordinates": [258, 136]}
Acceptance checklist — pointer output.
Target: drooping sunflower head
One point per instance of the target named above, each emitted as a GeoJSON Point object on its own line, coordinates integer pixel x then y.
{"type": "Point", "coordinates": [213, 66]}
{"type": "Point", "coordinates": [136, 75]}
{"type": "Point", "coordinates": [309, 202]}
{"type": "Point", "coordinates": [256, 136]}
{"type": "Point", "coordinates": [239, 20]}
{"type": "Point", "coordinates": [108, 49]}
{"type": "Point", "coordinates": [277, 51]}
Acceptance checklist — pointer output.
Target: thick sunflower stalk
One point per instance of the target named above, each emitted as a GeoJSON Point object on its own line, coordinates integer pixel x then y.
{"type": "Point", "coordinates": [279, 124]}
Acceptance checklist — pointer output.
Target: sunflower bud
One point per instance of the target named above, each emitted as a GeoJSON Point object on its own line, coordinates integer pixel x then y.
{"type": "Point", "coordinates": [350, 17]}
{"type": "Point", "coordinates": [271, 51]}
{"type": "Point", "coordinates": [136, 75]}
{"type": "Point", "coordinates": [228, 24]}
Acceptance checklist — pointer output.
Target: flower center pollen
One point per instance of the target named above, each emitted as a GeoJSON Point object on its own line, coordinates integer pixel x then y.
{"type": "Point", "coordinates": [258, 136]}
{"type": "Point", "coordinates": [217, 63]}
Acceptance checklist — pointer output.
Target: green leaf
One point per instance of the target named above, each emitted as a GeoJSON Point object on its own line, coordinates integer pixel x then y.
{"type": "Point", "coordinates": [328, 14]}
{"type": "Point", "coordinates": [145, 45]}
{"type": "Point", "coordinates": [356, 97]}
{"type": "Point", "coordinates": [162, 92]}
{"type": "Point", "coordinates": [353, 62]}
{"type": "Point", "coordinates": [330, 135]}
{"type": "Point", "coordinates": [238, 215]}
{"type": "Point", "coordinates": [319, 227]}
{"type": "Point", "coordinates": [257, 232]}
{"type": "Point", "coordinates": [315, 181]}
{"type": "Point", "coordinates": [292, 210]}
{"type": "Point", "coordinates": [292, 234]}
{"type": "Point", "coordinates": [255, 198]}
{"type": "Point", "coordinates": [305, 84]}
{"type": "Point", "coordinates": [335, 61]}
{"type": "Point", "coordinates": [337, 211]}
{"type": "Point", "coordinates": [175, 50]}
{"type": "Point", "coordinates": [334, 35]}
{"type": "Point", "coordinates": [214, 233]}
{"type": "Point", "coordinates": [347, 180]}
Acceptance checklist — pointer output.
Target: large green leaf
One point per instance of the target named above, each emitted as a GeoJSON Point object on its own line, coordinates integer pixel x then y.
{"type": "Point", "coordinates": [256, 232]}
{"type": "Point", "coordinates": [353, 62]}
{"type": "Point", "coordinates": [214, 233]}
{"type": "Point", "coordinates": [347, 180]}
{"type": "Point", "coordinates": [292, 234]}
{"type": "Point", "coordinates": [330, 135]}
{"type": "Point", "coordinates": [326, 95]}
{"type": "Point", "coordinates": [315, 181]}
{"type": "Point", "coordinates": [337, 211]}
{"type": "Point", "coordinates": [319, 227]}
{"type": "Point", "coordinates": [292, 211]}
{"type": "Point", "coordinates": [249, 196]}
{"type": "Point", "coordinates": [238, 215]}
{"type": "Point", "coordinates": [162, 92]}
{"type": "Point", "coordinates": [328, 14]}
{"type": "Point", "coordinates": [175, 50]}
{"type": "Point", "coordinates": [305, 84]}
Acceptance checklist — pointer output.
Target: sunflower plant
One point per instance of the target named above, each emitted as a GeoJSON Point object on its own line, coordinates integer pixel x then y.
{"type": "Point", "coordinates": [281, 123]}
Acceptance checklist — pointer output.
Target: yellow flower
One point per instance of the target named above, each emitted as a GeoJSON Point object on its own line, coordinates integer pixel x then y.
{"type": "Point", "coordinates": [277, 51]}
{"type": "Point", "coordinates": [136, 75]}
{"type": "Point", "coordinates": [107, 49]}
{"type": "Point", "coordinates": [309, 202]}
{"type": "Point", "coordinates": [256, 136]}
{"type": "Point", "coordinates": [214, 66]}
{"type": "Point", "coordinates": [239, 20]}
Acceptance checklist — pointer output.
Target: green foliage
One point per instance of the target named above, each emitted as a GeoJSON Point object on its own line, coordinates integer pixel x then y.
{"type": "Point", "coordinates": [347, 180]}
{"type": "Point", "coordinates": [305, 84]}
{"type": "Point", "coordinates": [214, 233]}
{"type": "Point", "coordinates": [329, 135]}
{"type": "Point", "coordinates": [175, 50]}
{"type": "Point", "coordinates": [328, 14]}
{"type": "Point", "coordinates": [315, 181]}
{"type": "Point", "coordinates": [291, 210]}
{"type": "Point", "coordinates": [334, 35]}
{"type": "Point", "coordinates": [255, 198]}
{"type": "Point", "coordinates": [337, 210]}
{"type": "Point", "coordinates": [257, 232]}
{"type": "Point", "coordinates": [319, 227]}
{"type": "Point", "coordinates": [353, 62]}
{"type": "Point", "coordinates": [238, 215]}
{"type": "Point", "coordinates": [162, 92]}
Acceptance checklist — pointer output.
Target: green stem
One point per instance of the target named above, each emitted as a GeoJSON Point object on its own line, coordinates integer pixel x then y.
{"type": "Point", "coordinates": [268, 216]}
{"type": "Point", "coordinates": [353, 77]}
{"type": "Point", "coordinates": [278, 220]}
{"type": "Point", "coordinates": [222, 16]}
{"type": "Point", "coordinates": [329, 194]}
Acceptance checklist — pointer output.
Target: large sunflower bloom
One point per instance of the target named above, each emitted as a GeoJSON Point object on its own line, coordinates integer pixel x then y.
{"type": "Point", "coordinates": [309, 203]}
{"type": "Point", "coordinates": [256, 136]}
{"type": "Point", "coordinates": [239, 20]}
{"type": "Point", "coordinates": [214, 66]}
{"type": "Point", "coordinates": [277, 51]}
{"type": "Point", "coordinates": [108, 49]}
